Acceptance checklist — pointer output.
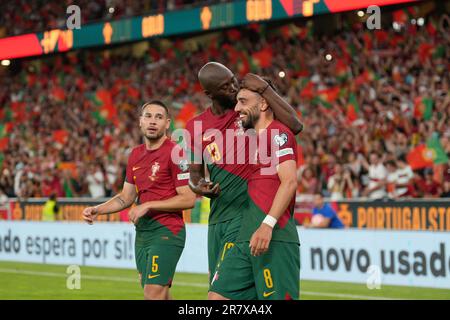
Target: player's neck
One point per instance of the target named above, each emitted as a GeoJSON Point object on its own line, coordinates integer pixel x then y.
{"type": "Point", "coordinates": [217, 109]}
{"type": "Point", "coordinates": [154, 144]}
{"type": "Point", "coordinates": [263, 122]}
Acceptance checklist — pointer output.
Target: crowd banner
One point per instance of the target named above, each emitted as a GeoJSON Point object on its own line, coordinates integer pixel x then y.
{"type": "Point", "coordinates": [371, 257]}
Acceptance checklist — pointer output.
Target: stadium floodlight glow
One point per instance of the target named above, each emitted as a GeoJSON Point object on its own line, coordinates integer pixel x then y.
{"type": "Point", "coordinates": [360, 13]}
{"type": "Point", "coordinates": [281, 74]}
{"type": "Point", "coordinates": [6, 63]}
{"type": "Point", "coordinates": [111, 10]}
{"type": "Point", "coordinates": [420, 21]}
{"type": "Point", "coordinates": [329, 57]}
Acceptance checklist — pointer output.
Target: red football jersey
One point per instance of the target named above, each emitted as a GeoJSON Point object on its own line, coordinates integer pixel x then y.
{"type": "Point", "coordinates": [276, 145]}
{"type": "Point", "coordinates": [156, 177]}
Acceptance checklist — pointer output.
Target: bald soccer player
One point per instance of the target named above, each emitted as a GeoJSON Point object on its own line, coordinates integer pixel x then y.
{"type": "Point", "coordinates": [227, 183]}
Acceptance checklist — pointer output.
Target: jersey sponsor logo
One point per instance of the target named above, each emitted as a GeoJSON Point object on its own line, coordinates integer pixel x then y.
{"type": "Point", "coordinates": [135, 168]}
{"type": "Point", "coordinates": [183, 165]}
{"type": "Point", "coordinates": [183, 176]}
{"type": "Point", "coordinates": [281, 139]}
{"type": "Point", "coordinates": [284, 152]}
{"type": "Point", "coordinates": [268, 294]}
{"type": "Point", "coordinates": [155, 169]}
{"type": "Point", "coordinates": [151, 276]}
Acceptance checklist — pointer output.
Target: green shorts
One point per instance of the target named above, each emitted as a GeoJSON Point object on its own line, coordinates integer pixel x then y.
{"type": "Point", "coordinates": [221, 237]}
{"type": "Point", "coordinates": [271, 276]}
{"type": "Point", "coordinates": [157, 263]}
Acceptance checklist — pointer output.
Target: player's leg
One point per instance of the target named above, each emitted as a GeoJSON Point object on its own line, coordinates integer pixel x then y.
{"type": "Point", "coordinates": [234, 277]}
{"type": "Point", "coordinates": [277, 274]}
{"type": "Point", "coordinates": [160, 269]}
{"type": "Point", "coordinates": [224, 239]}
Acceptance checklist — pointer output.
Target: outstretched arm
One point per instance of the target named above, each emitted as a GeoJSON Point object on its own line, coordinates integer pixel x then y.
{"type": "Point", "coordinates": [283, 111]}
{"type": "Point", "coordinates": [121, 201]}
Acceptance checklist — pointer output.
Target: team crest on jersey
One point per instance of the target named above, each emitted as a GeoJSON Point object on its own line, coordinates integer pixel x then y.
{"type": "Point", "coordinates": [281, 139]}
{"type": "Point", "coordinates": [239, 127]}
{"type": "Point", "coordinates": [183, 165]}
{"type": "Point", "coordinates": [155, 169]}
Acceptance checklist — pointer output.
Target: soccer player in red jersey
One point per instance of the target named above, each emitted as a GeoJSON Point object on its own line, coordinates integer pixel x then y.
{"type": "Point", "coordinates": [227, 187]}
{"type": "Point", "coordinates": [162, 192]}
{"type": "Point", "coordinates": [265, 261]}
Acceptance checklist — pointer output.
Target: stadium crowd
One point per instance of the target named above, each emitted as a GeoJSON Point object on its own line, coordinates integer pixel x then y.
{"type": "Point", "coordinates": [21, 16]}
{"type": "Point", "coordinates": [375, 105]}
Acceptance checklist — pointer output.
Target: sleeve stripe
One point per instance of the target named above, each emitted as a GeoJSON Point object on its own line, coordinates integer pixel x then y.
{"type": "Point", "coordinates": [284, 152]}
{"type": "Point", "coordinates": [183, 176]}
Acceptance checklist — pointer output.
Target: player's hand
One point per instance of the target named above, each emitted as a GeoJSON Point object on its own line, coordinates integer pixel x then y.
{"type": "Point", "coordinates": [137, 212]}
{"type": "Point", "coordinates": [254, 82]}
{"type": "Point", "coordinates": [206, 188]}
{"type": "Point", "coordinates": [90, 214]}
{"type": "Point", "coordinates": [260, 240]}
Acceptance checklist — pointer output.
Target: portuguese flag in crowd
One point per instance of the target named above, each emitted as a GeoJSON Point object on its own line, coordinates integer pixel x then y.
{"type": "Point", "coordinates": [104, 109]}
{"type": "Point", "coordinates": [425, 155]}
{"type": "Point", "coordinates": [423, 108]}
{"type": "Point", "coordinates": [353, 111]}
{"type": "Point", "coordinates": [327, 97]}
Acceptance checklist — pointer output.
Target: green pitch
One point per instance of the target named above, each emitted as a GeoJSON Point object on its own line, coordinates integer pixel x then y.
{"type": "Point", "coordinates": [39, 281]}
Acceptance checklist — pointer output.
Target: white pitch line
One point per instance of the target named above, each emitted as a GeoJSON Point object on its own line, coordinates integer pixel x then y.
{"type": "Point", "coordinates": [184, 284]}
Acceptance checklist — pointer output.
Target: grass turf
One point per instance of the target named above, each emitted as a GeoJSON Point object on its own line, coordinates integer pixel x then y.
{"type": "Point", "coordinates": [39, 281]}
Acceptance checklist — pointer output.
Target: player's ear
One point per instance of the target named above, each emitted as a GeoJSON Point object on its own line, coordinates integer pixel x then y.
{"type": "Point", "coordinates": [264, 105]}
{"type": "Point", "coordinates": [208, 94]}
{"type": "Point", "coordinates": [168, 123]}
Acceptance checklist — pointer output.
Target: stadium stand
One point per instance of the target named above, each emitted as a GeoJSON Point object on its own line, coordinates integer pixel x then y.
{"type": "Point", "coordinates": [357, 92]}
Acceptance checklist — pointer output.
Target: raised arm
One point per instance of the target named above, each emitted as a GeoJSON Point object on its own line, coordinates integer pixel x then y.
{"type": "Point", "coordinates": [283, 111]}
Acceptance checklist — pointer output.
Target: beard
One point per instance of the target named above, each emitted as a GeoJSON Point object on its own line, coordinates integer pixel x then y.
{"type": "Point", "coordinates": [227, 102]}
{"type": "Point", "coordinates": [154, 136]}
{"type": "Point", "coordinates": [250, 120]}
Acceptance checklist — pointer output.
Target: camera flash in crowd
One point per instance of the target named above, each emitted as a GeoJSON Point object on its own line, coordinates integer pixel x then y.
{"type": "Point", "coordinates": [6, 63]}
{"type": "Point", "coordinates": [111, 10]}
{"type": "Point", "coordinates": [360, 13]}
{"type": "Point", "coordinates": [420, 21]}
{"type": "Point", "coordinates": [281, 74]}
{"type": "Point", "coordinates": [328, 57]}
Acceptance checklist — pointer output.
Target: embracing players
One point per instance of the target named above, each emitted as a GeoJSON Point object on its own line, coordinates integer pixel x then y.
{"type": "Point", "coordinates": [210, 146]}
{"type": "Point", "coordinates": [265, 261]}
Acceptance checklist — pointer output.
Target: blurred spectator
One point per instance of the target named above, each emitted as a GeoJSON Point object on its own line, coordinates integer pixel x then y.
{"type": "Point", "coordinates": [307, 182]}
{"type": "Point", "coordinates": [324, 215]}
{"type": "Point", "coordinates": [340, 183]}
{"type": "Point", "coordinates": [391, 179]}
{"type": "Point", "coordinates": [377, 177]}
{"type": "Point", "coordinates": [404, 177]}
{"type": "Point", "coordinates": [430, 188]}
{"type": "Point", "coordinates": [96, 181]}
{"type": "Point", "coordinates": [51, 210]}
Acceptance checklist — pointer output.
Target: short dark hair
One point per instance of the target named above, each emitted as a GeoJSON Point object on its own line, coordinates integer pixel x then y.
{"type": "Point", "coordinates": [158, 103]}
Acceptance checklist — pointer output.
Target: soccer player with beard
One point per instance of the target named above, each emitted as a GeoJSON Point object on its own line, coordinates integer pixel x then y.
{"type": "Point", "coordinates": [161, 188]}
{"type": "Point", "coordinates": [227, 183]}
{"type": "Point", "coordinates": [265, 261]}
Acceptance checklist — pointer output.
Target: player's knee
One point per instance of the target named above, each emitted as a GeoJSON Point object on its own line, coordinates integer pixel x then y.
{"type": "Point", "coordinates": [215, 296]}
{"type": "Point", "coordinates": [155, 292]}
